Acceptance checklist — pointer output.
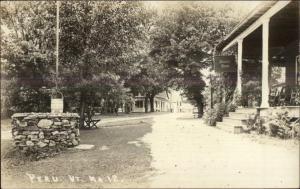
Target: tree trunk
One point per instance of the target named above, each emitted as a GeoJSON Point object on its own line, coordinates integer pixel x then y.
{"type": "Point", "coordinates": [82, 108]}
{"type": "Point", "coordinates": [200, 109]}
{"type": "Point", "coordinates": [152, 103]}
{"type": "Point", "coordinates": [146, 103]}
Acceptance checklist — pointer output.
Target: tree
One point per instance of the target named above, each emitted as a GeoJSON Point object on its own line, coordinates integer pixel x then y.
{"type": "Point", "coordinates": [184, 39]}
{"type": "Point", "coordinates": [149, 81]}
{"type": "Point", "coordinates": [27, 54]}
{"type": "Point", "coordinates": [99, 46]}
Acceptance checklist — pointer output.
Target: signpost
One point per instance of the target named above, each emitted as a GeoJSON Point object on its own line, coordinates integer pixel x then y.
{"type": "Point", "coordinates": [225, 64]}
{"type": "Point", "coordinates": [57, 100]}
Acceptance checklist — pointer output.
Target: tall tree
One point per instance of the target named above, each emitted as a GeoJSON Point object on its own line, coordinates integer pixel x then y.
{"type": "Point", "coordinates": [184, 39]}
{"type": "Point", "coordinates": [27, 53]}
{"type": "Point", "coordinates": [99, 45]}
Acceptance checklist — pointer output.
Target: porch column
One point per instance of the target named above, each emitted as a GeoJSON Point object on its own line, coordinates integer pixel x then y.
{"type": "Point", "coordinates": [265, 65]}
{"type": "Point", "coordinates": [239, 67]}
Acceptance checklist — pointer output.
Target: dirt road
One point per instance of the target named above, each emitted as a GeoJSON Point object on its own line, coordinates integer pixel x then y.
{"type": "Point", "coordinates": [186, 153]}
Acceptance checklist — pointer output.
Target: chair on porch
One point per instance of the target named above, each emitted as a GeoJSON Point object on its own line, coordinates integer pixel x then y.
{"type": "Point", "coordinates": [282, 96]}
{"type": "Point", "coordinates": [273, 97]}
{"type": "Point", "coordinates": [295, 96]}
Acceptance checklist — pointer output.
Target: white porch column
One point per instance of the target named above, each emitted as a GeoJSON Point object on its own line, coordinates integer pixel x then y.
{"type": "Point", "coordinates": [239, 67]}
{"type": "Point", "coordinates": [265, 65]}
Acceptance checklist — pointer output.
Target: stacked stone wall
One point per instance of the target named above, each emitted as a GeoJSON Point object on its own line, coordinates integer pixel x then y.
{"type": "Point", "coordinates": [45, 134]}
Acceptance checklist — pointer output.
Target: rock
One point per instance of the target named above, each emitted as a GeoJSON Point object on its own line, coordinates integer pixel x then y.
{"type": "Point", "coordinates": [63, 133]}
{"type": "Point", "coordinates": [65, 122]}
{"type": "Point", "coordinates": [29, 143]}
{"type": "Point", "coordinates": [19, 137]}
{"type": "Point", "coordinates": [15, 133]}
{"type": "Point", "coordinates": [55, 133]}
{"type": "Point", "coordinates": [41, 144]}
{"type": "Point", "coordinates": [46, 141]}
{"type": "Point", "coordinates": [73, 123]}
{"type": "Point", "coordinates": [41, 135]}
{"type": "Point", "coordinates": [31, 123]}
{"type": "Point", "coordinates": [77, 132]}
{"type": "Point", "coordinates": [52, 143]}
{"type": "Point", "coordinates": [56, 120]}
{"type": "Point", "coordinates": [57, 123]}
{"type": "Point", "coordinates": [22, 123]}
{"type": "Point", "coordinates": [68, 125]}
{"type": "Point", "coordinates": [34, 132]}
{"type": "Point", "coordinates": [32, 128]}
{"type": "Point", "coordinates": [72, 136]}
{"type": "Point", "coordinates": [45, 123]}
{"type": "Point", "coordinates": [26, 132]}
{"type": "Point", "coordinates": [75, 142]}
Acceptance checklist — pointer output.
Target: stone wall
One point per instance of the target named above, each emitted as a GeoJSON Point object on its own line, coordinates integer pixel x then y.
{"type": "Point", "coordinates": [45, 134]}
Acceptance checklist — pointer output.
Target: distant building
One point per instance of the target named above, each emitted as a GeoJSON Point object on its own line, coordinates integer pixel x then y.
{"type": "Point", "coordinates": [162, 103]}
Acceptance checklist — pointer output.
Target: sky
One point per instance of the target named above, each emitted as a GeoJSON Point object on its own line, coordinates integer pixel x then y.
{"type": "Point", "coordinates": [242, 7]}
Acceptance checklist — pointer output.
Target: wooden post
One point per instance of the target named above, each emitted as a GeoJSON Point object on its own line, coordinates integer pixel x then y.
{"type": "Point", "coordinates": [265, 65]}
{"type": "Point", "coordinates": [239, 67]}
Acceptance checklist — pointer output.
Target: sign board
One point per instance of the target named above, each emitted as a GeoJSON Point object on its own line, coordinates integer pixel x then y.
{"type": "Point", "coordinates": [225, 64]}
{"type": "Point", "coordinates": [57, 105]}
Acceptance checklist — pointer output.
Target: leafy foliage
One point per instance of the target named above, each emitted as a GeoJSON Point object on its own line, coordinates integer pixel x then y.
{"type": "Point", "coordinates": [27, 53]}
{"type": "Point", "coordinates": [184, 39]}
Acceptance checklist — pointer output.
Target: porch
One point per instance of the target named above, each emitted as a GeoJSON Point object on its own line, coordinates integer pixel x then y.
{"type": "Point", "coordinates": [268, 68]}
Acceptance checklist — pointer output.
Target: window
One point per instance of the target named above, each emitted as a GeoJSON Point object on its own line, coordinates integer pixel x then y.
{"type": "Point", "coordinates": [139, 104]}
{"type": "Point", "coordinates": [278, 75]}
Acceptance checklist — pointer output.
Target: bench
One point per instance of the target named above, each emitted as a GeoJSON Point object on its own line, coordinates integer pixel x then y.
{"type": "Point", "coordinates": [91, 122]}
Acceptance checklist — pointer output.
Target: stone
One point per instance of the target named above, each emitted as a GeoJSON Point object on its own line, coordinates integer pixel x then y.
{"type": "Point", "coordinates": [22, 123]}
{"type": "Point", "coordinates": [63, 133]}
{"type": "Point", "coordinates": [29, 143]}
{"type": "Point", "coordinates": [73, 123]}
{"type": "Point", "coordinates": [41, 135]}
{"type": "Point", "coordinates": [19, 137]}
{"type": "Point", "coordinates": [15, 133]}
{"type": "Point", "coordinates": [75, 142]}
{"type": "Point", "coordinates": [72, 136]}
{"type": "Point", "coordinates": [31, 123]}
{"type": "Point", "coordinates": [65, 122]}
{"type": "Point", "coordinates": [26, 132]}
{"type": "Point", "coordinates": [52, 143]}
{"type": "Point", "coordinates": [46, 141]}
{"type": "Point", "coordinates": [55, 133]}
{"type": "Point", "coordinates": [45, 123]}
{"type": "Point", "coordinates": [41, 144]}
{"type": "Point", "coordinates": [77, 132]}
{"type": "Point", "coordinates": [32, 128]}
{"type": "Point", "coordinates": [102, 148]}
{"type": "Point", "coordinates": [34, 132]}
{"type": "Point", "coordinates": [85, 146]}
{"type": "Point", "coordinates": [56, 119]}
{"type": "Point", "coordinates": [57, 123]}
{"type": "Point", "coordinates": [68, 125]}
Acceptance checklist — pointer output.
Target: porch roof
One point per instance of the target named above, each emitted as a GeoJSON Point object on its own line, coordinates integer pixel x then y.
{"type": "Point", "coordinates": [253, 16]}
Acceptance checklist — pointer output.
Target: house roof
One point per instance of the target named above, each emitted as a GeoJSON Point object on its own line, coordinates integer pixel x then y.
{"type": "Point", "coordinates": [254, 15]}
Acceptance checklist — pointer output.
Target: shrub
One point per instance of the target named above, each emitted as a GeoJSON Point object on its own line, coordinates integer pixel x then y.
{"type": "Point", "coordinates": [220, 109]}
{"type": "Point", "coordinates": [296, 128]}
{"type": "Point", "coordinates": [279, 125]}
{"type": "Point", "coordinates": [210, 117]}
{"type": "Point", "coordinates": [237, 98]}
{"type": "Point", "coordinates": [231, 107]}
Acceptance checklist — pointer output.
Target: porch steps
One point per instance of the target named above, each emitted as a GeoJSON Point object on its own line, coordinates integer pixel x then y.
{"type": "Point", "coordinates": [236, 118]}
